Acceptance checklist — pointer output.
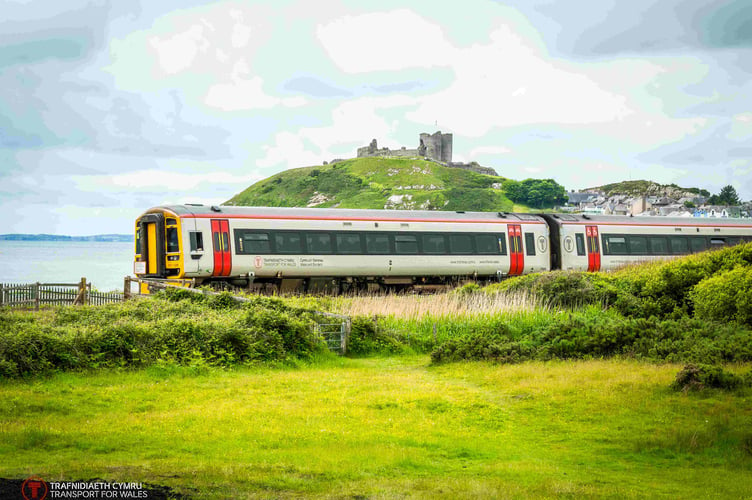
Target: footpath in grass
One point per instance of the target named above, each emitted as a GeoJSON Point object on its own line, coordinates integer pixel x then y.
{"type": "Point", "coordinates": [385, 428]}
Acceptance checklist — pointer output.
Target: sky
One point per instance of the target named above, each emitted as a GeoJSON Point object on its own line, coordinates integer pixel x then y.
{"type": "Point", "coordinates": [109, 108]}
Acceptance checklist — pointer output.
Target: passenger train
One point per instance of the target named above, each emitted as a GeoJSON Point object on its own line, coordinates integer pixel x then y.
{"type": "Point", "coordinates": [339, 250]}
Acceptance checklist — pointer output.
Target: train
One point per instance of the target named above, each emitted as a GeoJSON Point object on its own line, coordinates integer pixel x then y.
{"type": "Point", "coordinates": [274, 250]}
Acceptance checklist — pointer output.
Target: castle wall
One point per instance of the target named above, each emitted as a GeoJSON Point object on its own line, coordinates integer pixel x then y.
{"type": "Point", "coordinates": [437, 147]}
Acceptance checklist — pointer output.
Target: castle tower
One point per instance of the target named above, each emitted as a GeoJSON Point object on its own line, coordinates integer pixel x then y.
{"type": "Point", "coordinates": [436, 146]}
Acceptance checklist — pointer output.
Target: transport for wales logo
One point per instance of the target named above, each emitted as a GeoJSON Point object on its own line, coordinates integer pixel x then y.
{"type": "Point", "coordinates": [34, 488]}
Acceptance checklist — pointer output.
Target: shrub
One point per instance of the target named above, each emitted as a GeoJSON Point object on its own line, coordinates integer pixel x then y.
{"type": "Point", "coordinates": [726, 296]}
{"type": "Point", "coordinates": [176, 327]}
{"type": "Point", "coordinates": [698, 376]}
{"type": "Point", "coordinates": [365, 338]}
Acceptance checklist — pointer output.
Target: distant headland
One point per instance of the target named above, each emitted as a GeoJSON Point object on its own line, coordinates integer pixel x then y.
{"type": "Point", "coordinates": [57, 237]}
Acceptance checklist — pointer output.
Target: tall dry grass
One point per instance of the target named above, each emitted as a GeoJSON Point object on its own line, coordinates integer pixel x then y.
{"type": "Point", "coordinates": [446, 305]}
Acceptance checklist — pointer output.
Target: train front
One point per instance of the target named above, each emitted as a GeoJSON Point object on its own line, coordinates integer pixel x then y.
{"type": "Point", "coordinates": [159, 245]}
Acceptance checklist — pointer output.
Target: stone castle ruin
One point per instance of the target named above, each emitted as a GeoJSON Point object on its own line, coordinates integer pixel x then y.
{"type": "Point", "coordinates": [436, 147]}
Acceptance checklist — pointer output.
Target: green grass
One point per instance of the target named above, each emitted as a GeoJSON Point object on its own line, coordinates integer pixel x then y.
{"type": "Point", "coordinates": [385, 428]}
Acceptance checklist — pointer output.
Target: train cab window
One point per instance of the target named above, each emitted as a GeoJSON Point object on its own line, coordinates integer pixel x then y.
{"type": "Point", "coordinates": [490, 244]}
{"type": "Point", "coordinates": [252, 242]}
{"type": "Point", "coordinates": [405, 244]}
{"type": "Point", "coordinates": [197, 241]}
{"type": "Point", "coordinates": [460, 243]}
{"type": "Point", "coordinates": [658, 245]}
{"type": "Point", "coordinates": [377, 243]}
{"type": "Point", "coordinates": [319, 243]}
{"type": "Point", "coordinates": [433, 243]}
{"type": "Point", "coordinates": [529, 244]}
{"type": "Point", "coordinates": [580, 240]}
{"type": "Point", "coordinates": [679, 245]}
{"type": "Point", "coordinates": [698, 244]}
{"type": "Point", "coordinates": [138, 241]}
{"type": "Point", "coordinates": [348, 243]}
{"type": "Point", "coordinates": [290, 243]}
{"type": "Point", "coordinates": [171, 240]}
{"type": "Point", "coordinates": [614, 245]}
{"type": "Point", "coordinates": [638, 245]}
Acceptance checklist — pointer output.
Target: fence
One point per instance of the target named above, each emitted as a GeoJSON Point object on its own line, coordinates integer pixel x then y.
{"type": "Point", "coordinates": [34, 295]}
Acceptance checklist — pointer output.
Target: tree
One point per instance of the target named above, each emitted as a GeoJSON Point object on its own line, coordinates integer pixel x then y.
{"type": "Point", "coordinates": [727, 196]}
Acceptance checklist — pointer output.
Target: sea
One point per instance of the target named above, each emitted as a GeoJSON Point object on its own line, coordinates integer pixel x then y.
{"type": "Point", "coordinates": [103, 264]}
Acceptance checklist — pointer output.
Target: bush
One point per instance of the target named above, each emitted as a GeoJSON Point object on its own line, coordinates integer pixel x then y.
{"type": "Point", "coordinates": [177, 327]}
{"type": "Point", "coordinates": [696, 377]}
{"type": "Point", "coordinates": [596, 333]}
{"type": "Point", "coordinates": [365, 339]}
{"type": "Point", "coordinates": [726, 296]}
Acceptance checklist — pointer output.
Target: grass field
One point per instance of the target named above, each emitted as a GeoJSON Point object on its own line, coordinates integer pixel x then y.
{"type": "Point", "coordinates": [385, 428]}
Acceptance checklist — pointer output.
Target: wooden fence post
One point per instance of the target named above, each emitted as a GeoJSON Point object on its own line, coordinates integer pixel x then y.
{"type": "Point", "coordinates": [36, 296]}
{"type": "Point", "coordinates": [127, 288]}
{"type": "Point", "coordinates": [2, 294]}
{"type": "Point", "coordinates": [85, 290]}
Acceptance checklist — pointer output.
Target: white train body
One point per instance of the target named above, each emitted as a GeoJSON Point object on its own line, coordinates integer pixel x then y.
{"type": "Point", "coordinates": [308, 248]}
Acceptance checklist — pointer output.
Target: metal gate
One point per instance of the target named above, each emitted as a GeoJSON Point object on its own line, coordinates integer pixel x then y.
{"type": "Point", "coordinates": [335, 335]}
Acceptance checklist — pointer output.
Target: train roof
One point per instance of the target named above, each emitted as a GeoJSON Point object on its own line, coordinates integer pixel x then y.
{"type": "Point", "coordinates": [345, 213]}
{"type": "Point", "coordinates": [214, 211]}
{"type": "Point", "coordinates": [623, 220]}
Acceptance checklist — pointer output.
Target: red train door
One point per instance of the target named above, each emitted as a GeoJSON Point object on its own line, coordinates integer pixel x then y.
{"type": "Point", "coordinates": [516, 260]}
{"type": "Point", "coordinates": [593, 248]}
{"type": "Point", "coordinates": [221, 239]}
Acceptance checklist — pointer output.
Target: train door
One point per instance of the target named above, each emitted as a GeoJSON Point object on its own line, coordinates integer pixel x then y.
{"type": "Point", "coordinates": [150, 247]}
{"type": "Point", "coordinates": [222, 252]}
{"type": "Point", "coordinates": [516, 259]}
{"type": "Point", "coordinates": [593, 248]}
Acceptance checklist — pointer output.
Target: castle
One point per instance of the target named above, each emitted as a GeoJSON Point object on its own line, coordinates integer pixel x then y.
{"type": "Point", "coordinates": [436, 147]}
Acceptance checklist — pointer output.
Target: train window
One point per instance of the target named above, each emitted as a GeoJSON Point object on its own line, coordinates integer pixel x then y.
{"type": "Point", "coordinates": [679, 245]}
{"type": "Point", "coordinates": [433, 243]}
{"type": "Point", "coordinates": [490, 244]}
{"type": "Point", "coordinates": [405, 244]}
{"type": "Point", "coordinates": [733, 241]}
{"type": "Point", "coordinates": [197, 241]}
{"type": "Point", "coordinates": [529, 244]}
{"type": "Point", "coordinates": [658, 245]}
{"type": "Point", "coordinates": [377, 243]}
{"type": "Point", "coordinates": [171, 241]}
{"type": "Point", "coordinates": [348, 243]}
{"type": "Point", "coordinates": [580, 239]}
{"type": "Point", "coordinates": [614, 245]}
{"type": "Point", "coordinates": [717, 242]}
{"type": "Point", "coordinates": [460, 243]}
{"type": "Point", "coordinates": [251, 242]}
{"type": "Point", "coordinates": [171, 222]}
{"type": "Point", "coordinates": [319, 243]}
{"type": "Point", "coordinates": [288, 242]}
{"type": "Point", "coordinates": [638, 245]}
{"type": "Point", "coordinates": [138, 241]}
{"type": "Point", "coordinates": [698, 244]}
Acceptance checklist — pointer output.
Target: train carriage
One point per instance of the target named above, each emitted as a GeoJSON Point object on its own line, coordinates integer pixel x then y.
{"type": "Point", "coordinates": [312, 249]}
{"type": "Point", "coordinates": [598, 243]}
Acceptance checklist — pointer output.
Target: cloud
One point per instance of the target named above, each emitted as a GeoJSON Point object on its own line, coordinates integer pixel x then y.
{"type": "Point", "coordinates": [314, 87]}
{"type": "Point", "coordinates": [489, 150]}
{"type": "Point", "coordinates": [157, 180]}
{"type": "Point", "coordinates": [383, 41]}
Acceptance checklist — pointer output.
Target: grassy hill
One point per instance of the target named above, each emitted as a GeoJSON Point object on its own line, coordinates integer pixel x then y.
{"type": "Point", "coordinates": [643, 187]}
{"type": "Point", "coordinates": [375, 182]}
